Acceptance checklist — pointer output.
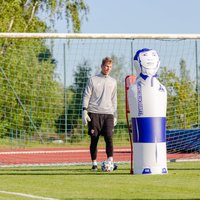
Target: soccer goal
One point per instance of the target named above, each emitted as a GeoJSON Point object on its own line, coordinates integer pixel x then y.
{"type": "Point", "coordinates": [42, 78]}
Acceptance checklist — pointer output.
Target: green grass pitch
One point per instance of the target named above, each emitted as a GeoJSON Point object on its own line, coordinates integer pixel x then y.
{"type": "Point", "coordinates": [79, 182]}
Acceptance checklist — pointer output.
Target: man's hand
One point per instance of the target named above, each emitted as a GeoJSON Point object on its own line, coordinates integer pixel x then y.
{"type": "Point", "coordinates": [115, 121]}
{"type": "Point", "coordinates": [85, 117]}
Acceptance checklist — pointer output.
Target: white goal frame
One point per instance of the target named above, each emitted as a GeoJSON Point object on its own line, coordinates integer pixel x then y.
{"type": "Point", "coordinates": [99, 36]}
{"type": "Point", "coordinates": [130, 41]}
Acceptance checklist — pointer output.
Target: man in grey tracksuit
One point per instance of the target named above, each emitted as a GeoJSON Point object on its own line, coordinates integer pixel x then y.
{"type": "Point", "coordinates": [100, 109]}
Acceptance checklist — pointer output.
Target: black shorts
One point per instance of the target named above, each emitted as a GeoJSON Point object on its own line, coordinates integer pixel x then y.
{"type": "Point", "coordinates": [101, 124]}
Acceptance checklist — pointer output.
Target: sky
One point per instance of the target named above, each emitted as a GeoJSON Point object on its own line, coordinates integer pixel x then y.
{"type": "Point", "coordinates": [141, 16]}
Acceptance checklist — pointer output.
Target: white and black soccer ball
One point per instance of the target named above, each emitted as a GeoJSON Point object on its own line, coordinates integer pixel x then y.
{"type": "Point", "coordinates": [107, 166]}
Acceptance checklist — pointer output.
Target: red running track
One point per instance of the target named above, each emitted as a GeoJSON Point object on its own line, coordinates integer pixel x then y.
{"type": "Point", "coordinates": [44, 156]}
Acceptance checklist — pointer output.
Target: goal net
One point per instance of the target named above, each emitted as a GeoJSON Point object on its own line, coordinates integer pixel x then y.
{"type": "Point", "coordinates": [42, 79]}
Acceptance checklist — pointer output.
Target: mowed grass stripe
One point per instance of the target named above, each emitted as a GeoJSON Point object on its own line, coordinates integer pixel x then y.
{"type": "Point", "coordinates": [79, 182]}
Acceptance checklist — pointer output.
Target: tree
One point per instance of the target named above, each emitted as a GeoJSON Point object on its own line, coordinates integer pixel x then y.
{"type": "Point", "coordinates": [29, 89]}
{"type": "Point", "coordinates": [23, 15]}
{"type": "Point", "coordinates": [74, 100]}
{"type": "Point", "coordinates": [119, 73]}
{"type": "Point", "coordinates": [184, 73]}
{"type": "Point", "coordinates": [27, 65]}
{"type": "Point", "coordinates": [119, 69]}
{"type": "Point", "coordinates": [181, 95]}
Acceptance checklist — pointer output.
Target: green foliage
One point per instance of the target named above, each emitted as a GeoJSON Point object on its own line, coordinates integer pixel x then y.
{"type": "Point", "coordinates": [28, 87]}
{"type": "Point", "coordinates": [70, 119]}
{"type": "Point", "coordinates": [81, 76]}
{"type": "Point", "coordinates": [25, 18]}
{"type": "Point", "coordinates": [181, 97]}
{"type": "Point", "coordinates": [119, 69]}
{"type": "Point", "coordinates": [80, 80]}
{"type": "Point", "coordinates": [119, 73]}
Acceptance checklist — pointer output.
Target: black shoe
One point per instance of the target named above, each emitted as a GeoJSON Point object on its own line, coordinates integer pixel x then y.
{"type": "Point", "coordinates": [94, 167]}
{"type": "Point", "coordinates": [115, 166]}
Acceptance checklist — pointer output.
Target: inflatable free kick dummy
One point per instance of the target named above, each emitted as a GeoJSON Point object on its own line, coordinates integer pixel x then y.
{"type": "Point", "coordinates": [147, 99]}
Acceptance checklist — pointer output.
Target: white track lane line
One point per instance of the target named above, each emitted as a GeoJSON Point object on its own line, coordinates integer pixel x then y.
{"type": "Point", "coordinates": [27, 195]}
{"type": "Point", "coordinates": [55, 151]}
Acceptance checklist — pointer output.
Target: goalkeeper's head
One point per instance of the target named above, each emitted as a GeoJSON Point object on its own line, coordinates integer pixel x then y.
{"type": "Point", "coordinates": [146, 61]}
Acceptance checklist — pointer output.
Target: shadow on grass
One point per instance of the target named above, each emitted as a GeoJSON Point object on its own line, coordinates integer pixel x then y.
{"type": "Point", "coordinates": [184, 168]}
{"type": "Point", "coordinates": [62, 171]}
{"type": "Point", "coordinates": [76, 171]}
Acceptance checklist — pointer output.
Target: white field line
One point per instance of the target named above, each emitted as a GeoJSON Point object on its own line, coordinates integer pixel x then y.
{"type": "Point", "coordinates": [56, 151]}
{"type": "Point", "coordinates": [56, 164]}
{"type": "Point", "coordinates": [27, 195]}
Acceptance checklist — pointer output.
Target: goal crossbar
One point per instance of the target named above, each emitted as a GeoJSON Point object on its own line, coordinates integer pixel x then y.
{"type": "Point", "coordinates": [99, 36]}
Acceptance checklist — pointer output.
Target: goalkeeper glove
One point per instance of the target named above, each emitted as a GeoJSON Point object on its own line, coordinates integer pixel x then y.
{"type": "Point", "coordinates": [115, 121]}
{"type": "Point", "coordinates": [85, 117]}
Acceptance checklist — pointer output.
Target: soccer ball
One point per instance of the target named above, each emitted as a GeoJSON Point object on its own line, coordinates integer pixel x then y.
{"type": "Point", "coordinates": [107, 166]}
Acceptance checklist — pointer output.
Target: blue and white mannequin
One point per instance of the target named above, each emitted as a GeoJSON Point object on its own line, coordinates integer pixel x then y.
{"type": "Point", "coordinates": [147, 99]}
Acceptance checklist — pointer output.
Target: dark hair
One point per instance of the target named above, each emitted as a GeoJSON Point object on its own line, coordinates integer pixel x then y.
{"type": "Point", "coordinates": [105, 60]}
